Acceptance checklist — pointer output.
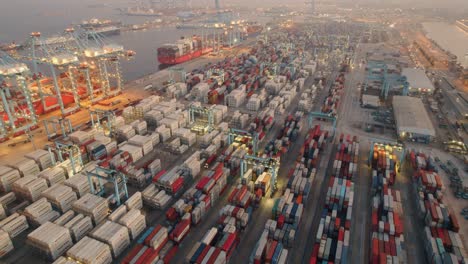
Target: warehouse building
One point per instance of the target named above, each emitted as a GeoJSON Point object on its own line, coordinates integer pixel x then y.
{"type": "Point", "coordinates": [412, 120]}
{"type": "Point", "coordinates": [418, 81]}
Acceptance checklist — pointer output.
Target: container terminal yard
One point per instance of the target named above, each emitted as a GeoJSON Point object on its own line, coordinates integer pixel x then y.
{"type": "Point", "coordinates": [337, 138]}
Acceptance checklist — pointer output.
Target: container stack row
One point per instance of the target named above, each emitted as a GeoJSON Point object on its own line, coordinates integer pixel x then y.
{"type": "Point", "coordinates": [332, 101]}
{"type": "Point", "coordinates": [332, 238]}
{"type": "Point", "coordinates": [387, 239]}
{"type": "Point", "coordinates": [442, 241]}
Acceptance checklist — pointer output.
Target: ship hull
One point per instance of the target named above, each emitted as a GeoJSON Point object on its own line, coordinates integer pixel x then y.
{"type": "Point", "coordinates": [108, 32]}
{"type": "Point", "coordinates": [184, 58]}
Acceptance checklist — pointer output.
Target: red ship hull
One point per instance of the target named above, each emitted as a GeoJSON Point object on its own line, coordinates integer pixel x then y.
{"type": "Point", "coordinates": [171, 60]}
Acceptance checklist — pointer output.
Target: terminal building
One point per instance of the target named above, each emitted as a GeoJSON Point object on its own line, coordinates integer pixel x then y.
{"type": "Point", "coordinates": [418, 81]}
{"type": "Point", "coordinates": [412, 120]}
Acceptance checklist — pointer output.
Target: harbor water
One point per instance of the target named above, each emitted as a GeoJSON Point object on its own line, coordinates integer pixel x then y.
{"type": "Point", "coordinates": [450, 38]}
{"type": "Point", "coordinates": [51, 17]}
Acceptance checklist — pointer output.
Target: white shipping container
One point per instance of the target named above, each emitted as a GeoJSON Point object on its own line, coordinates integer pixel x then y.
{"type": "Point", "coordinates": [6, 245]}
{"type": "Point", "coordinates": [7, 177]}
{"type": "Point", "coordinates": [114, 235]}
{"type": "Point", "coordinates": [52, 239]}
{"type": "Point", "coordinates": [90, 251]}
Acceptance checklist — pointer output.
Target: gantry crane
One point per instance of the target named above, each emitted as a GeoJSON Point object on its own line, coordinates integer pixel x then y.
{"type": "Point", "coordinates": [62, 63]}
{"type": "Point", "coordinates": [66, 152]}
{"type": "Point", "coordinates": [17, 111]}
{"type": "Point", "coordinates": [98, 54]}
{"type": "Point", "coordinates": [116, 177]}
{"type": "Point", "coordinates": [207, 125]}
{"type": "Point", "coordinates": [272, 164]}
{"type": "Point", "coordinates": [99, 116]}
{"type": "Point", "coordinates": [253, 137]}
{"type": "Point", "coordinates": [54, 125]}
{"type": "Point", "coordinates": [319, 115]}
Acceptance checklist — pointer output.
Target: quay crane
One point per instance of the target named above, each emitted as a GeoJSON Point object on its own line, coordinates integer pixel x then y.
{"type": "Point", "coordinates": [62, 63]}
{"type": "Point", "coordinates": [99, 55]}
{"type": "Point", "coordinates": [17, 110]}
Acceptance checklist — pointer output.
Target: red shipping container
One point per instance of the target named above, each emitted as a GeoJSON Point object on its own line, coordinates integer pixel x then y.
{"type": "Point", "coordinates": [454, 221]}
{"type": "Point", "coordinates": [271, 251]}
{"type": "Point", "coordinates": [170, 254]}
{"type": "Point", "coordinates": [159, 175]}
{"type": "Point", "coordinates": [375, 250]}
{"type": "Point", "coordinates": [230, 244]}
{"type": "Point", "coordinates": [214, 256]}
{"type": "Point", "coordinates": [152, 234]}
{"type": "Point", "coordinates": [143, 257]}
{"type": "Point", "coordinates": [202, 182]}
{"type": "Point", "coordinates": [202, 254]}
{"type": "Point", "coordinates": [232, 195]}
{"type": "Point", "coordinates": [151, 256]}
{"type": "Point", "coordinates": [171, 214]}
{"type": "Point", "coordinates": [177, 185]}
{"type": "Point", "coordinates": [128, 258]}
{"type": "Point", "coordinates": [281, 220]}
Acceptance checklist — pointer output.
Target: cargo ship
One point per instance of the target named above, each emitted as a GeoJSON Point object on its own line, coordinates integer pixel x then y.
{"type": "Point", "coordinates": [108, 31]}
{"type": "Point", "coordinates": [10, 47]}
{"type": "Point", "coordinates": [183, 50]}
{"type": "Point", "coordinates": [95, 23]}
{"type": "Point", "coordinates": [139, 11]}
{"type": "Point", "coordinates": [462, 24]}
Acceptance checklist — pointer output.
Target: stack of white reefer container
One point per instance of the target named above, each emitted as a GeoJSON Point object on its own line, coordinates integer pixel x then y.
{"type": "Point", "coordinates": [6, 246]}
{"type": "Point", "coordinates": [153, 117]}
{"type": "Point", "coordinates": [186, 136]}
{"type": "Point", "coordinates": [60, 196]}
{"type": "Point", "coordinates": [40, 212]}
{"type": "Point", "coordinates": [64, 218]}
{"type": "Point", "coordinates": [164, 133]}
{"type": "Point", "coordinates": [135, 152]}
{"type": "Point", "coordinates": [125, 131]}
{"type": "Point", "coordinates": [26, 167]}
{"type": "Point", "coordinates": [130, 114]}
{"type": "Point", "coordinates": [93, 206]}
{"type": "Point", "coordinates": [79, 226]}
{"type": "Point", "coordinates": [218, 118]}
{"type": "Point", "coordinates": [14, 225]}
{"type": "Point", "coordinates": [7, 177]}
{"type": "Point", "coordinates": [273, 86]}
{"type": "Point", "coordinates": [135, 201]}
{"type": "Point", "coordinates": [79, 184]}
{"type": "Point", "coordinates": [239, 120]}
{"type": "Point", "coordinates": [29, 187]}
{"type": "Point", "coordinates": [118, 213]}
{"type": "Point", "coordinates": [155, 198]}
{"type": "Point", "coordinates": [141, 127]}
{"type": "Point", "coordinates": [180, 117]}
{"type": "Point", "coordinates": [254, 103]}
{"type": "Point", "coordinates": [142, 107]}
{"type": "Point", "coordinates": [155, 167]}
{"type": "Point", "coordinates": [200, 91]}
{"type": "Point", "coordinates": [193, 164]}
{"type": "Point", "coordinates": [118, 122]}
{"type": "Point", "coordinates": [136, 177]}
{"type": "Point", "coordinates": [170, 123]}
{"type": "Point", "coordinates": [236, 98]}
{"type": "Point", "coordinates": [144, 142]}
{"type": "Point", "coordinates": [114, 235]}
{"type": "Point", "coordinates": [53, 175]}
{"type": "Point", "coordinates": [51, 239]}
{"type": "Point", "coordinates": [41, 157]}
{"type": "Point", "coordinates": [177, 90]}
{"type": "Point", "coordinates": [79, 137]}
{"type": "Point", "coordinates": [90, 251]}
{"type": "Point", "coordinates": [135, 222]}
